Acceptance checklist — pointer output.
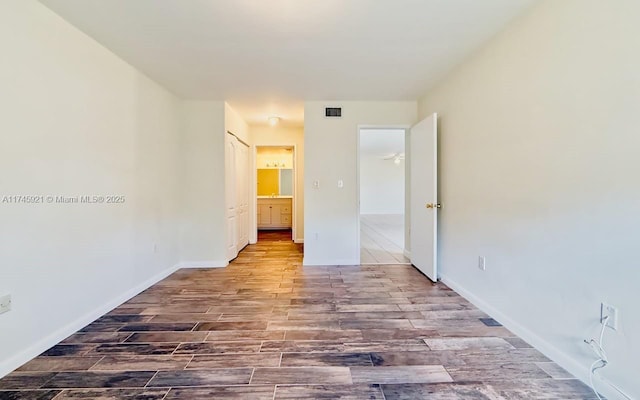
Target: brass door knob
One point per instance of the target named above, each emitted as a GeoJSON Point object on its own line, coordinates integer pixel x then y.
{"type": "Point", "coordinates": [431, 205]}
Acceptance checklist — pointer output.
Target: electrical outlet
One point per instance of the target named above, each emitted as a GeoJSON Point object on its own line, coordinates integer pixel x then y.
{"type": "Point", "coordinates": [5, 303]}
{"type": "Point", "coordinates": [482, 263]}
{"type": "Point", "coordinates": [607, 310]}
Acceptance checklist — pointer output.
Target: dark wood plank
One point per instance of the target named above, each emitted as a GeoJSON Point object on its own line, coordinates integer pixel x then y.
{"type": "Point", "coordinates": [97, 337]}
{"type": "Point", "coordinates": [112, 394]}
{"type": "Point", "coordinates": [342, 392]}
{"type": "Point", "coordinates": [229, 326]}
{"type": "Point", "coordinates": [326, 359]}
{"type": "Point", "coordinates": [235, 361]}
{"type": "Point", "coordinates": [400, 358]}
{"type": "Point", "coordinates": [210, 377]}
{"type": "Point", "coordinates": [401, 374]}
{"type": "Point", "coordinates": [497, 372]}
{"type": "Point", "coordinates": [66, 350]}
{"type": "Point", "coordinates": [167, 337]}
{"type": "Point", "coordinates": [219, 347]}
{"type": "Point", "coordinates": [302, 375]}
{"type": "Point", "coordinates": [253, 392]}
{"type": "Point", "coordinates": [28, 394]}
{"type": "Point", "coordinates": [60, 364]}
{"type": "Point", "coordinates": [234, 335]}
{"type": "Point", "coordinates": [129, 379]}
{"type": "Point", "coordinates": [167, 326]}
{"type": "Point", "coordinates": [141, 363]}
{"type": "Point", "coordinates": [134, 348]}
{"type": "Point", "coordinates": [25, 380]}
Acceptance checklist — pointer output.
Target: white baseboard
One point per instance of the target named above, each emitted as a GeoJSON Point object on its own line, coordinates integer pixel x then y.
{"type": "Point", "coordinates": [407, 253]}
{"type": "Point", "coordinates": [329, 262]}
{"type": "Point", "coordinates": [203, 264]}
{"type": "Point", "coordinates": [298, 241]}
{"type": "Point", "coordinates": [550, 351]}
{"type": "Point", "coordinates": [7, 366]}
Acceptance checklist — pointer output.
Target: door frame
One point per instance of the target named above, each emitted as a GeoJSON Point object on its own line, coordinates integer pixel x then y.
{"type": "Point", "coordinates": [406, 129]}
{"type": "Point", "coordinates": [253, 192]}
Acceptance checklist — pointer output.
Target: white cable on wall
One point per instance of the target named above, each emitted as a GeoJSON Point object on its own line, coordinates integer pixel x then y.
{"type": "Point", "coordinates": [602, 361]}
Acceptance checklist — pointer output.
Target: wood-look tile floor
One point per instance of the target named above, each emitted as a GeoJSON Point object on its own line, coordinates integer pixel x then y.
{"type": "Point", "coordinates": [266, 328]}
{"type": "Point", "coordinates": [382, 239]}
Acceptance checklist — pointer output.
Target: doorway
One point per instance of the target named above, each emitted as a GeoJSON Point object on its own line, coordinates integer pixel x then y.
{"type": "Point", "coordinates": [275, 192]}
{"type": "Point", "coordinates": [382, 175]}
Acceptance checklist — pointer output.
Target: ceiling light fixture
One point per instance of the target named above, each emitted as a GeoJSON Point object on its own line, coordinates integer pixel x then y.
{"type": "Point", "coordinates": [273, 121]}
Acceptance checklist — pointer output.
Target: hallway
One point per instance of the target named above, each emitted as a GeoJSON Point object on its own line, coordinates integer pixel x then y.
{"type": "Point", "coordinates": [382, 239]}
{"type": "Point", "coordinates": [266, 328]}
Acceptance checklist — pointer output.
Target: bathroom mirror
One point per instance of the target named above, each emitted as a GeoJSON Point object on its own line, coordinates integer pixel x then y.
{"type": "Point", "coordinates": [275, 182]}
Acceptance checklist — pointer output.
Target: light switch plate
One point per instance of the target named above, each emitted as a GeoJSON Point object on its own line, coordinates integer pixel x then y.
{"type": "Point", "coordinates": [5, 303]}
{"type": "Point", "coordinates": [482, 263]}
{"type": "Point", "coordinates": [607, 310]}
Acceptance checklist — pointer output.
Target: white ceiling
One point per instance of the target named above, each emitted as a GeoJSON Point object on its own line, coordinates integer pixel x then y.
{"type": "Point", "coordinates": [266, 57]}
{"type": "Point", "coordinates": [381, 142]}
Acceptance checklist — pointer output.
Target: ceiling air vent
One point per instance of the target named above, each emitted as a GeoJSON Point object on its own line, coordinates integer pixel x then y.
{"type": "Point", "coordinates": [333, 112]}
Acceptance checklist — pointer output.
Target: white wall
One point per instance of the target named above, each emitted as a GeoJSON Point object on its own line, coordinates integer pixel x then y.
{"type": "Point", "coordinates": [267, 157]}
{"type": "Point", "coordinates": [76, 120]}
{"type": "Point", "coordinates": [331, 213]}
{"type": "Point", "coordinates": [539, 173]}
{"type": "Point", "coordinates": [381, 186]}
{"type": "Point", "coordinates": [203, 233]}
{"type": "Point", "coordinates": [234, 123]}
{"type": "Point", "coordinates": [279, 136]}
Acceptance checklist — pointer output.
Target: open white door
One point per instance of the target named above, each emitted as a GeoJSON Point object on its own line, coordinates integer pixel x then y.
{"type": "Point", "coordinates": [423, 142]}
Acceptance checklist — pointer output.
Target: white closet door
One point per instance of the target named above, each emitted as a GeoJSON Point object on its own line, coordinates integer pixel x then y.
{"type": "Point", "coordinates": [231, 193]}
